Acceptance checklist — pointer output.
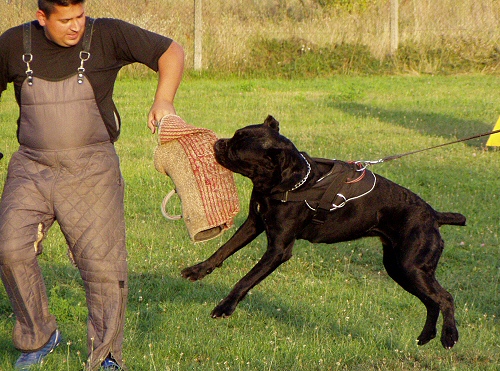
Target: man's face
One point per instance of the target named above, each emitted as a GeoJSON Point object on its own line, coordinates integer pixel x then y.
{"type": "Point", "coordinates": [65, 26]}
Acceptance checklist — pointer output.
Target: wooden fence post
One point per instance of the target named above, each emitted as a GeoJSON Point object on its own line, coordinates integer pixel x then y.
{"type": "Point", "coordinates": [394, 26]}
{"type": "Point", "coordinates": [198, 34]}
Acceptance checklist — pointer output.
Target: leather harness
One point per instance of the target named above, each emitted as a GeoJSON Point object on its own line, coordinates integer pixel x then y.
{"type": "Point", "coordinates": [344, 181]}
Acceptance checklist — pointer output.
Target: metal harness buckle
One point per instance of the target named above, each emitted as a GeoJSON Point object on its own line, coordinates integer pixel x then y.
{"type": "Point", "coordinates": [27, 58]}
{"type": "Point", "coordinates": [84, 56]}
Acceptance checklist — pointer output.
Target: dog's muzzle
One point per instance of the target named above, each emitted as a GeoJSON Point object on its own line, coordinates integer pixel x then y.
{"type": "Point", "coordinates": [220, 150]}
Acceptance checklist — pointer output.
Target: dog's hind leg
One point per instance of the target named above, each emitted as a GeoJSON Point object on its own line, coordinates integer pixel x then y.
{"type": "Point", "coordinates": [397, 274]}
{"type": "Point", "coordinates": [416, 274]}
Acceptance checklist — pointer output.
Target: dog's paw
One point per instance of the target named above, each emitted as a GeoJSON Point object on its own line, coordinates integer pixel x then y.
{"type": "Point", "coordinates": [426, 336]}
{"type": "Point", "coordinates": [196, 272]}
{"type": "Point", "coordinates": [224, 309]}
{"type": "Point", "coordinates": [449, 337]}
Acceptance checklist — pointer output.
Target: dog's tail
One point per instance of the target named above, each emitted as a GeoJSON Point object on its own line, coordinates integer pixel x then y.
{"type": "Point", "coordinates": [451, 219]}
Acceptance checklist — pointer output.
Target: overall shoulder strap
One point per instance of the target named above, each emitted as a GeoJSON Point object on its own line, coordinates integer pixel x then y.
{"type": "Point", "coordinates": [27, 56]}
{"type": "Point", "coordinates": [27, 37]}
{"type": "Point", "coordinates": [85, 52]}
{"type": "Point", "coordinates": [87, 37]}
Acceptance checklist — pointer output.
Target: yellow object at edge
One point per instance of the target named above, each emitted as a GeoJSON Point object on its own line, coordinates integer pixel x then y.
{"type": "Point", "coordinates": [494, 139]}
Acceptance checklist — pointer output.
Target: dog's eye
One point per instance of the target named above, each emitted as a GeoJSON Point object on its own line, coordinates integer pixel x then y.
{"type": "Point", "coordinates": [239, 138]}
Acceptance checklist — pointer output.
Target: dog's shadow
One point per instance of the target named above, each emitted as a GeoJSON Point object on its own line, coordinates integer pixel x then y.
{"type": "Point", "coordinates": [429, 123]}
{"type": "Point", "coordinates": [199, 298]}
{"type": "Point", "coordinates": [181, 293]}
{"type": "Point", "coordinates": [168, 289]}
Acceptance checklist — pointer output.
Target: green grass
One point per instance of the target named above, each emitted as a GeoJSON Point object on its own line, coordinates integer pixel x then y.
{"type": "Point", "coordinates": [331, 307]}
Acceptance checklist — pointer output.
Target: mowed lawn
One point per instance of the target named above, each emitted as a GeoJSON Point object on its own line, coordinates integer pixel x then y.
{"type": "Point", "coordinates": [331, 307]}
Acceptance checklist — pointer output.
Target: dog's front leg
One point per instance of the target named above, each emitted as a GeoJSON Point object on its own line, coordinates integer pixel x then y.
{"type": "Point", "coordinates": [273, 258]}
{"type": "Point", "coordinates": [250, 229]}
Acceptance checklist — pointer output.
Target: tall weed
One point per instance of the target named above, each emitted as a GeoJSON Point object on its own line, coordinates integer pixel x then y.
{"type": "Point", "coordinates": [435, 36]}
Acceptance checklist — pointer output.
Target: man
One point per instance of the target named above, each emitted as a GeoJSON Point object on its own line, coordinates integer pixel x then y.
{"type": "Point", "coordinates": [63, 67]}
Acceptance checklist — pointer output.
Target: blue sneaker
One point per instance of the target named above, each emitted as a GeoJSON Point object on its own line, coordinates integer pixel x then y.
{"type": "Point", "coordinates": [26, 360]}
{"type": "Point", "coordinates": [110, 364]}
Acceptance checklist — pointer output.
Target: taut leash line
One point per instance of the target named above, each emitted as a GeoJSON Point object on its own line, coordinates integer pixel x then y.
{"type": "Point", "coordinates": [394, 157]}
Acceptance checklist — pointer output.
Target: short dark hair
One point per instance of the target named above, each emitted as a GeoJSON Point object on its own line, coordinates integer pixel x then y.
{"type": "Point", "coordinates": [48, 6]}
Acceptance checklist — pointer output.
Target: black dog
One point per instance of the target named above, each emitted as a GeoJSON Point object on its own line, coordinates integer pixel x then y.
{"type": "Point", "coordinates": [288, 203]}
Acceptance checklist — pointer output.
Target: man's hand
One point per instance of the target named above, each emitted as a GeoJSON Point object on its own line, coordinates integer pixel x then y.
{"type": "Point", "coordinates": [170, 70]}
{"type": "Point", "coordinates": [157, 112]}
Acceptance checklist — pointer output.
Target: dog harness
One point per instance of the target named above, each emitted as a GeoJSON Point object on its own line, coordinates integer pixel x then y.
{"type": "Point", "coordinates": [343, 182]}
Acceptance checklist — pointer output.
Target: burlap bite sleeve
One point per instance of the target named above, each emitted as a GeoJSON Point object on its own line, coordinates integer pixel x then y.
{"type": "Point", "coordinates": [207, 190]}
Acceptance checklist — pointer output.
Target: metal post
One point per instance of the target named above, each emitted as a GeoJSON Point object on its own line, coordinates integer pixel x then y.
{"type": "Point", "coordinates": [198, 34]}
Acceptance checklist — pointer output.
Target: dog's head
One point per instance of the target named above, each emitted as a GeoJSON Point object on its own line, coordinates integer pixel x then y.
{"type": "Point", "coordinates": [262, 154]}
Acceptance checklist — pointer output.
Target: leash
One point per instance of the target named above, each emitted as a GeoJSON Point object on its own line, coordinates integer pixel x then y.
{"type": "Point", "coordinates": [394, 157]}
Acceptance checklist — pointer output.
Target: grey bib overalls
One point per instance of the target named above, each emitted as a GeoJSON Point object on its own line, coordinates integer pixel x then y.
{"type": "Point", "coordinates": [66, 170]}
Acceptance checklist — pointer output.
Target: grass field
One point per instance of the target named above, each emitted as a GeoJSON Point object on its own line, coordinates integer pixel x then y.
{"type": "Point", "coordinates": [331, 307]}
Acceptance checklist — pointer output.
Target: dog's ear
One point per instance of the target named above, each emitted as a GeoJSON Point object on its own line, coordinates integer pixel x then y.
{"type": "Point", "coordinates": [272, 123]}
{"type": "Point", "coordinates": [292, 167]}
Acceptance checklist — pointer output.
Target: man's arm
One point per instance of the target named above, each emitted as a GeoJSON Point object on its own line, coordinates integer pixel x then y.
{"type": "Point", "coordinates": [170, 69]}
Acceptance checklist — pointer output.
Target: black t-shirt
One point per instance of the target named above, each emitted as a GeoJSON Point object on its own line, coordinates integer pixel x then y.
{"type": "Point", "coordinates": [115, 44]}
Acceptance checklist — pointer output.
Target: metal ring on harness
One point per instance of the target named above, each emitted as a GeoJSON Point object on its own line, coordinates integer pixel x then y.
{"type": "Point", "coordinates": [164, 207]}
{"type": "Point", "coordinates": [360, 168]}
{"type": "Point", "coordinates": [342, 204]}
